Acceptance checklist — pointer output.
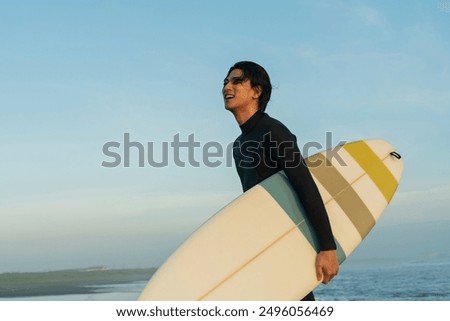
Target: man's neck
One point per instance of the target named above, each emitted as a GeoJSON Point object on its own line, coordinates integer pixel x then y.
{"type": "Point", "coordinates": [243, 115]}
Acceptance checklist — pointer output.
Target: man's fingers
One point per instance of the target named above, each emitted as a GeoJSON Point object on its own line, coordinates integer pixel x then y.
{"type": "Point", "coordinates": [328, 276]}
{"type": "Point", "coordinates": [319, 273]}
{"type": "Point", "coordinates": [327, 266]}
{"type": "Point", "coordinates": [320, 270]}
{"type": "Point", "coordinates": [323, 274]}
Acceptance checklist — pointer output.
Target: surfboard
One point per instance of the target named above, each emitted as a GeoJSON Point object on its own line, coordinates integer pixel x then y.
{"type": "Point", "coordinates": [261, 245]}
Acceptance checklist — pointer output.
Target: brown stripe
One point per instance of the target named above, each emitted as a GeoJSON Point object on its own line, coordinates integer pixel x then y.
{"type": "Point", "coordinates": [342, 192]}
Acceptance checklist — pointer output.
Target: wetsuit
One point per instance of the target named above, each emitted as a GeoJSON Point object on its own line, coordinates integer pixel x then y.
{"type": "Point", "coordinates": [265, 147]}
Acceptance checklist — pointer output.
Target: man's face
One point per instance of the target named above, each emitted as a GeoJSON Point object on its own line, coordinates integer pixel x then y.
{"type": "Point", "coordinates": [238, 92]}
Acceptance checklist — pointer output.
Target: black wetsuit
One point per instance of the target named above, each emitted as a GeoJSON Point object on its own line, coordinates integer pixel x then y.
{"type": "Point", "coordinates": [265, 147]}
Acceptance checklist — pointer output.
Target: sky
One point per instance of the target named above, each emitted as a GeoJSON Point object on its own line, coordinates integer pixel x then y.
{"type": "Point", "coordinates": [76, 75]}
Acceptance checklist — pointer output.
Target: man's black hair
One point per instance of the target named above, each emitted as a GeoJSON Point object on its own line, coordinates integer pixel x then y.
{"type": "Point", "coordinates": [258, 77]}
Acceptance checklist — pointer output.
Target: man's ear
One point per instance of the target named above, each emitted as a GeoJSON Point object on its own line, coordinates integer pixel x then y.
{"type": "Point", "coordinates": [258, 92]}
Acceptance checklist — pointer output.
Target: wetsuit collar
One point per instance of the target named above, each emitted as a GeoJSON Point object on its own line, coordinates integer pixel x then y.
{"type": "Point", "coordinates": [251, 122]}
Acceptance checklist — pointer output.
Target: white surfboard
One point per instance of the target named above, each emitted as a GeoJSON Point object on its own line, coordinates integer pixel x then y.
{"type": "Point", "coordinates": [261, 245]}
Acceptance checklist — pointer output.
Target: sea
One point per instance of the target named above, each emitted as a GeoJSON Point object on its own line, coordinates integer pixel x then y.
{"type": "Point", "coordinates": [358, 281]}
{"type": "Point", "coordinates": [412, 281]}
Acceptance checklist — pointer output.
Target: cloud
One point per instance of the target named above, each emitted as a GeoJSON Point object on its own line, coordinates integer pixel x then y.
{"type": "Point", "coordinates": [370, 16]}
{"type": "Point", "coordinates": [124, 226]}
{"type": "Point", "coordinates": [439, 193]}
{"type": "Point", "coordinates": [97, 212]}
{"type": "Point", "coordinates": [419, 206]}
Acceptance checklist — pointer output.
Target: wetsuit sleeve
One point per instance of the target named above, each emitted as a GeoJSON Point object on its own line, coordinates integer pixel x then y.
{"type": "Point", "coordinates": [285, 152]}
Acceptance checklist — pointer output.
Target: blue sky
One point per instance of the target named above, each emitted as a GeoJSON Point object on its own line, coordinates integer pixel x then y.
{"type": "Point", "coordinates": [77, 74]}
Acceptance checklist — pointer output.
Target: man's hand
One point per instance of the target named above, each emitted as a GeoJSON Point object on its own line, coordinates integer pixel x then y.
{"type": "Point", "coordinates": [327, 266]}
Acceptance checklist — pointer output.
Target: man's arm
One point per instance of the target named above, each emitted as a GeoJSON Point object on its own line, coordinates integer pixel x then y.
{"type": "Point", "coordinates": [289, 158]}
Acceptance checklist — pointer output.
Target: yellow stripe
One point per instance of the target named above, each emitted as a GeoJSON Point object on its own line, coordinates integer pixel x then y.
{"type": "Point", "coordinates": [375, 168]}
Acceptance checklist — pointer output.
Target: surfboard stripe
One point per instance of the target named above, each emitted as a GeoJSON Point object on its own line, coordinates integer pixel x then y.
{"type": "Point", "coordinates": [343, 193]}
{"type": "Point", "coordinates": [279, 188]}
{"type": "Point", "coordinates": [340, 252]}
{"type": "Point", "coordinates": [374, 167]}
{"type": "Point", "coordinates": [343, 229]}
{"type": "Point", "coordinates": [356, 176]}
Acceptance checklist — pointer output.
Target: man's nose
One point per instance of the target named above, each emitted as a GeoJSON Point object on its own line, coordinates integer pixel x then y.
{"type": "Point", "coordinates": [227, 86]}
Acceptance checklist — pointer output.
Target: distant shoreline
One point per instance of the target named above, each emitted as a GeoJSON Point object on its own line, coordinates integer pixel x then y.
{"type": "Point", "coordinates": [82, 281]}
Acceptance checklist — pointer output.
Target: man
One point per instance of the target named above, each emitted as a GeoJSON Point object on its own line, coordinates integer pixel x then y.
{"type": "Point", "coordinates": [266, 146]}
